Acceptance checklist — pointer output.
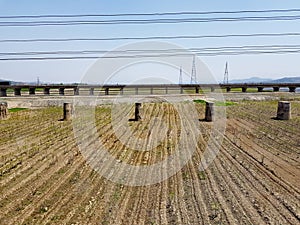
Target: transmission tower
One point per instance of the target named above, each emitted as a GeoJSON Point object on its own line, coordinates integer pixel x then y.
{"type": "Point", "coordinates": [226, 74]}
{"type": "Point", "coordinates": [193, 74]}
{"type": "Point", "coordinates": [38, 81]}
{"type": "Point", "coordinates": [180, 76]}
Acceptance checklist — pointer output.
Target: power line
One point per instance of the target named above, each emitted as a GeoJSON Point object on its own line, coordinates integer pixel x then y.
{"type": "Point", "coordinates": [172, 50]}
{"type": "Point", "coordinates": [153, 56]}
{"type": "Point", "coordinates": [148, 21]}
{"type": "Point", "coordinates": [151, 14]}
{"type": "Point", "coordinates": [150, 37]}
{"type": "Point", "coordinates": [195, 50]}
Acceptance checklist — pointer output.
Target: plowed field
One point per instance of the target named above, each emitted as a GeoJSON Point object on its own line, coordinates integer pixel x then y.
{"type": "Point", "coordinates": [255, 178]}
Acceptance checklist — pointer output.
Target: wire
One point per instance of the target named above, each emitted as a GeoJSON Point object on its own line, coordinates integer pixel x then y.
{"type": "Point", "coordinates": [149, 38]}
{"type": "Point", "coordinates": [147, 21]}
{"type": "Point", "coordinates": [150, 14]}
{"type": "Point", "coordinates": [136, 51]}
{"type": "Point", "coordinates": [208, 51]}
{"type": "Point", "coordinates": [153, 56]}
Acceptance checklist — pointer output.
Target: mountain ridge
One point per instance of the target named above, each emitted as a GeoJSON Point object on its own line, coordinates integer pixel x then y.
{"type": "Point", "coordinates": [267, 80]}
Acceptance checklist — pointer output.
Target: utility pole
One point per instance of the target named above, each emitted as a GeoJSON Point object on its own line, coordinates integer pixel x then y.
{"type": "Point", "coordinates": [194, 73]}
{"type": "Point", "coordinates": [226, 74]}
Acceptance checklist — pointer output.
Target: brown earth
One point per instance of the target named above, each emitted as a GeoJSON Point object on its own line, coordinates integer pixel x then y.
{"type": "Point", "coordinates": [255, 179]}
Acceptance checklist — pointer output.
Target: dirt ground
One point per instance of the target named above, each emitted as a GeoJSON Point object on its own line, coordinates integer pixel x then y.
{"type": "Point", "coordinates": [255, 178]}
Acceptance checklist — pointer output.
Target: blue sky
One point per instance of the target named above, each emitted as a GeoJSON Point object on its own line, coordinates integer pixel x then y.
{"type": "Point", "coordinates": [271, 66]}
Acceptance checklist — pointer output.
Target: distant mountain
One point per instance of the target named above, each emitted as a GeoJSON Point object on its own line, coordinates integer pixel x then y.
{"type": "Point", "coordinates": [267, 80]}
{"type": "Point", "coordinates": [288, 80]}
{"type": "Point", "coordinates": [4, 81]}
{"type": "Point", "coordinates": [17, 82]}
{"type": "Point", "coordinates": [252, 80]}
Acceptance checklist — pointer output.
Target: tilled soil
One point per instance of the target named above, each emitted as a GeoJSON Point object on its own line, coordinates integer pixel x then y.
{"type": "Point", "coordinates": [255, 178]}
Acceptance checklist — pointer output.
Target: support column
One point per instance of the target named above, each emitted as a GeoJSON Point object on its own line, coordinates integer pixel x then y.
{"type": "Point", "coordinates": [181, 90]}
{"type": "Point", "coordinates": [107, 91]}
{"type": "Point", "coordinates": [284, 110]}
{"type": "Point", "coordinates": [31, 91]}
{"type": "Point", "coordinates": [76, 91]}
{"type": "Point", "coordinates": [197, 90]}
{"type": "Point", "coordinates": [244, 89]}
{"type": "Point", "coordinates": [3, 110]}
{"type": "Point", "coordinates": [136, 91]}
{"type": "Point", "coordinates": [292, 89]}
{"type": "Point", "coordinates": [209, 112]}
{"type": "Point", "coordinates": [228, 89]}
{"type": "Point", "coordinates": [46, 91]}
{"type": "Point", "coordinates": [137, 116]}
{"type": "Point", "coordinates": [122, 91]}
{"type": "Point", "coordinates": [151, 91]}
{"type": "Point", "coordinates": [91, 91]}
{"type": "Point", "coordinates": [17, 91]}
{"type": "Point", "coordinates": [275, 89]}
{"type": "Point", "coordinates": [68, 111]}
{"type": "Point", "coordinates": [260, 89]}
{"type": "Point", "coordinates": [166, 90]}
{"type": "Point", "coordinates": [61, 91]}
{"type": "Point", "coordinates": [3, 92]}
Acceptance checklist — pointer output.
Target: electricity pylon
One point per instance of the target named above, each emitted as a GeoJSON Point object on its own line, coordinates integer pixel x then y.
{"type": "Point", "coordinates": [194, 73]}
{"type": "Point", "coordinates": [226, 74]}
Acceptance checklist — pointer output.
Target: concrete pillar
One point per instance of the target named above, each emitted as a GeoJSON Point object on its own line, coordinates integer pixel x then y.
{"type": "Point", "coordinates": [3, 110]}
{"type": "Point", "coordinates": [197, 90]}
{"type": "Point", "coordinates": [212, 89]}
{"type": "Point", "coordinates": [292, 89]}
{"type": "Point", "coordinates": [181, 90]}
{"type": "Point", "coordinates": [17, 91]}
{"type": "Point", "coordinates": [61, 91]}
{"type": "Point", "coordinates": [91, 91]}
{"type": "Point", "coordinates": [106, 91]}
{"type": "Point", "coordinates": [209, 112]}
{"type": "Point", "coordinates": [260, 89]}
{"type": "Point", "coordinates": [151, 91]}
{"type": "Point", "coordinates": [137, 116]}
{"type": "Point", "coordinates": [275, 89]}
{"type": "Point", "coordinates": [76, 91]}
{"type": "Point", "coordinates": [136, 91]}
{"type": "Point", "coordinates": [228, 89]}
{"type": "Point", "coordinates": [68, 111]}
{"type": "Point", "coordinates": [46, 91]}
{"type": "Point", "coordinates": [244, 89]}
{"type": "Point", "coordinates": [31, 91]}
{"type": "Point", "coordinates": [284, 110]}
{"type": "Point", "coordinates": [3, 92]}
